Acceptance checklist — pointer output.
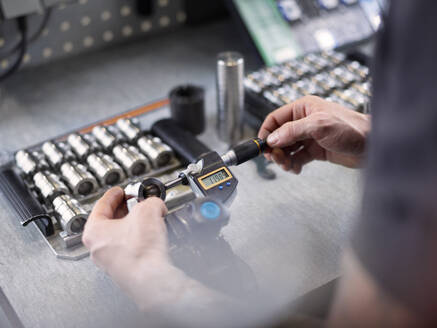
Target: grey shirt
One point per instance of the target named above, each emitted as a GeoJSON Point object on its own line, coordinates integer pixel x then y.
{"type": "Point", "coordinates": [396, 237]}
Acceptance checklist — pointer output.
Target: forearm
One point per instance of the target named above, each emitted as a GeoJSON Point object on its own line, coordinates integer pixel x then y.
{"type": "Point", "coordinates": [168, 292]}
{"type": "Point", "coordinates": [356, 154]}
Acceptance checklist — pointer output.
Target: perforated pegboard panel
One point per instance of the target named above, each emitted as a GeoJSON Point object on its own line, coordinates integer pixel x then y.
{"type": "Point", "coordinates": [87, 25]}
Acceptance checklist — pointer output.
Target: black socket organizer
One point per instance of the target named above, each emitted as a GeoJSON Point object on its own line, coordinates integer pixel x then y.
{"type": "Point", "coordinates": [55, 183]}
{"type": "Point", "coordinates": [330, 75]}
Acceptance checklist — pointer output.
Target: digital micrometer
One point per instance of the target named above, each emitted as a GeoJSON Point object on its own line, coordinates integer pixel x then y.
{"type": "Point", "coordinates": [196, 244]}
{"type": "Point", "coordinates": [213, 184]}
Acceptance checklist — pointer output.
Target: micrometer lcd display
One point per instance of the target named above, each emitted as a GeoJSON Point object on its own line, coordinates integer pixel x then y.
{"type": "Point", "coordinates": [214, 178]}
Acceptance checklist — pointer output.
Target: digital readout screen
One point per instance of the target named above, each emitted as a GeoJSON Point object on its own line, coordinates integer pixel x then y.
{"type": "Point", "coordinates": [215, 178]}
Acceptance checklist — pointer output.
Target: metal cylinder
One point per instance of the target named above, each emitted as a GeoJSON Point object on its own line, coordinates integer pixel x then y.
{"type": "Point", "coordinates": [105, 169]}
{"type": "Point", "coordinates": [72, 216]}
{"type": "Point", "coordinates": [128, 128]}
{"type": "Point", "coordinates": [49, 185]}
{"type": "Point", "coordinates": [80, 180]}
{"type": "Point", "coordinates": [156, 151]}
{"type": "Point", "coordinates": [26, 162]}
{"type": "Point", "coordinates": [79, 145]}
{"type": "Point", "coordinates": [131, 159]}
{"type": "Point", "coordinates": [53, 153]}
{"type": "Point", "coordinates": [104, 137]}
{"type": "Point", "coordinates": [230, 96]}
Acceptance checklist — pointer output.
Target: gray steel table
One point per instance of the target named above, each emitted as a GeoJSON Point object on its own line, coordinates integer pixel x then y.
{"type": "Point", "coordinates": [291, 231]}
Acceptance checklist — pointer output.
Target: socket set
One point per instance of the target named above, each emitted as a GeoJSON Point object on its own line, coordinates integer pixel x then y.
{"type": "Point", "coordinates": [56, 183]}
{"type": "Point", "coordinates": [329, 74]}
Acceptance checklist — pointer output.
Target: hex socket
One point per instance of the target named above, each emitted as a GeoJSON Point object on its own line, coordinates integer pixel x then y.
{"type": "Point", "coordinates": [129, 129]}
{"type": "Point", "coordinates": [52, 153]}
{"type": "Point", "coordinates": [80, 180]}
{"type": "Point", "coordinates": [79, 145]}
{"type": "Point", "coordinates": [187, 105]}
{"type": "Point", "coordinates": [107, 171]}
{"type": "Point", "coordinates": [72, 216]}
{"type": "Point", "coordinates": [104, 137]}
{"type": "Point", "coordinates": [49, 185]}
{"type": "Point", "coordinates": [26, 162]}
{"type": "Point", "coordinates": [156, 151]}
{"type": "Point", "coordinates": [131, 159]}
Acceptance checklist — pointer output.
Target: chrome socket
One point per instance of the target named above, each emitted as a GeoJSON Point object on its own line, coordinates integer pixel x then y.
{"type": "Point", "coordinates": [26, 162]}
{"type": "Point", "coordinates": [107, 171]}
{"type": "Point", "coordinates": [79, 145]}
{"type": "Point", "coordinates": [131, 159]}
{"type": "Point", "coordinates": [156, 151]}
{"type": "Point", "coordinates": [105, 137]}
{"type": "Point", "coordinates": [72, 216]}
{"type": "Point", "coordinates": [52, 153]}
{"type": "Point", "coordinates": [49, 185]}
{"type": "Point", "coordinates": [80, 180]}
{"type": "Point", "coordinates": [128, 128]}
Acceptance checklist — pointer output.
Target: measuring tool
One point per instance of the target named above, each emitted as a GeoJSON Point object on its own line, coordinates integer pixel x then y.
{"type": "Point", "coordinates": [212, 182]}
{"type": "Point", "coordinates": [209, 176]}
{"type": "Point", "coordinates": [196, 244]}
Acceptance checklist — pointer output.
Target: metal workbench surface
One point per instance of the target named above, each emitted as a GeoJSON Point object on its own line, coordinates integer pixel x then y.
{"type": "Point", "coordinates": [291, 230]}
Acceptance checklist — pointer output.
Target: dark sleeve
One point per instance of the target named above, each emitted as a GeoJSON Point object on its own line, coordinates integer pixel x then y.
{"type": "Point", "coordinates": [396, 236]}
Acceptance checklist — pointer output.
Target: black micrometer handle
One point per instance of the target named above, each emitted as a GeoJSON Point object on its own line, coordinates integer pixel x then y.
{"type": "Point", "coordinates": [184, 143]}
{"type": "Point", "coordinates": [249, 150]}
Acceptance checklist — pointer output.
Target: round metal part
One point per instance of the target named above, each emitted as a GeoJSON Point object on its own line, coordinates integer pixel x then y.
{"type": "Point", "coordinates": [107, 171]}
{"type": "Point", "coordinates": [104, 137]}
{"type": "Point", "coordinates": [53, 154]}
{"type": "Point", "coordinates": [131, 159]}
{"type": "Point", "coordinates": [72, 216]}
{"type": "Point", "coordinates": [80, 180]}
{"type": "Point", "coordinates": [26, 162]}
{"type": "Point", "coordinates": [158, 152]}
{"type": "Point", "coordinates": [49, 185]}
{"type": "Point", "coordinates": [79, 145]}
{"type": "Point", "coordinates": [129, 129]}
{"type": "Point", "coordinates": [151, 187]}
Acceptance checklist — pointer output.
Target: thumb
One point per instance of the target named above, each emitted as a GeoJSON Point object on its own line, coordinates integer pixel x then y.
{"type": "Point", "coordinates": [290, 133]}
{"type": "Point", "coordinates": [151, 207]}
{"type": "Point", "coordinates": [106, 206]}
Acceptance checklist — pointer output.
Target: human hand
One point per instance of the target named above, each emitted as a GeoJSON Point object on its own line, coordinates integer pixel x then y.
{"type": "Point", "coordinates": [315, 129]}
{"type": "Point", "coordinates": [131, 247]}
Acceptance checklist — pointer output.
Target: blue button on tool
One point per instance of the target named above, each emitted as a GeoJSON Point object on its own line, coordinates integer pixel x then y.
{"type": "Point", "coordinates": [221, 187]}
{"type": "Point", "coordinates": [210, 210]}
{"type": "Point", "coordinates": [228, 184]}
